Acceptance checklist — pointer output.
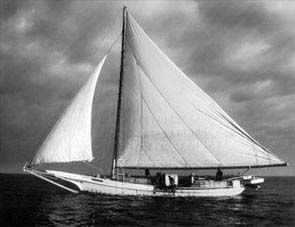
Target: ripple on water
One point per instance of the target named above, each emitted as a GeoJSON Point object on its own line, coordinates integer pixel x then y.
{"type": "Point", "coordinates": [29, 201]}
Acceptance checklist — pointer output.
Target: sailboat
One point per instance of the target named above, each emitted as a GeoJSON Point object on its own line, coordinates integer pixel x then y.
{"type": "Point", "coordinates": [164, 123]}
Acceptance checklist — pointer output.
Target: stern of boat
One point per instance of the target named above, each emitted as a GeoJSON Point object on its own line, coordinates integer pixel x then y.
{"type": "Point", "coordinates": [251, 181]}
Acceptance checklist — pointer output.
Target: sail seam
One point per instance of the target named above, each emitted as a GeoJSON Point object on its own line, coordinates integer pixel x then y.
{"type": "Point", "coordinates": [255, 153]}
{"type": "Point", "coordinates": [140, 88]}
{"type": "Point", "coordinates": [179, 116]}
{"type": "Point", "coordinates": [158, 123]}
{"type": "Point", "coordinates": [148, 156]}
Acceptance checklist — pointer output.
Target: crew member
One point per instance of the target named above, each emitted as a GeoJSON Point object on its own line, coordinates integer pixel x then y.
{"type": "Point", "coordinates": [171, 180]}
{"type": "Point", "coordinates": [219, 174]}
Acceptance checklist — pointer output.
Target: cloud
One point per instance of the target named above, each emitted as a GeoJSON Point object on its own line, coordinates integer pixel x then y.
{"type": "Point", "coordinates": [240, 53]}
{"type": "Point", "coordinates": [247, 54]}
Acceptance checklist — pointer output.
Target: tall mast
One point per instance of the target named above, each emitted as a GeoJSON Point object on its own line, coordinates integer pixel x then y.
{"type": "Point", "coordinates": [116, 145]}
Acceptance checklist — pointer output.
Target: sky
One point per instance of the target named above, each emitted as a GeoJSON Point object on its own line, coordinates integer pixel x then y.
{"type": "Point", "coordinates": [242, 53]}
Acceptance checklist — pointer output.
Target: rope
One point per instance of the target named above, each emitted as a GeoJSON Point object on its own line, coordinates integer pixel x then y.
{"type": "Point", "coordinates": [93, 166]}
{"type": "Point", "coordinates": [106, 34]}
{"type": "Point", "coordinates": [117, 38]}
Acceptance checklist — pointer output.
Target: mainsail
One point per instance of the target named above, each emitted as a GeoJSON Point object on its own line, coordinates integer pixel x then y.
{"type": "Point", "coordinates": [167, 121]}
{"type": "Point", "coordinates": [70, 138]}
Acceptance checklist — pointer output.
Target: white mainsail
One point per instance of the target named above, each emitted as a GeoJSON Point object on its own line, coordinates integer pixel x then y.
{"type": "Point", "coordinates": [70, 138]}
{"type": "Point", "coordinates": [167, 121]}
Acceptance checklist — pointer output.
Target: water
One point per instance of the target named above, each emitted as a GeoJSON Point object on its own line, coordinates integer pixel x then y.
{"type": "Point", "coordinates": [26, 200]}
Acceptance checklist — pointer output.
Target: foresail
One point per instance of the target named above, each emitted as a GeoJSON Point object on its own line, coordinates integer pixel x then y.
{"type": "Point", "coordinates": [167, 121]}
{"type": "Point", "coordinates": [70, 138]}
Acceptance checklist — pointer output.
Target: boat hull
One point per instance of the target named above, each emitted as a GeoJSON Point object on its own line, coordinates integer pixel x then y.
{"type": "Point", "coordinates": [122, 188]}
{"type": "Point", "coordinates": [113, 187]}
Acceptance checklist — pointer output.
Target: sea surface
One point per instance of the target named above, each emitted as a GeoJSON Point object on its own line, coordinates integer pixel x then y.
{"type": "Point", "coordinates": [28, 201]}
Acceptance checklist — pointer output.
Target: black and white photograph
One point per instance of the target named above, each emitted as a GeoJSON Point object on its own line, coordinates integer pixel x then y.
{"type": "Point", "coordinates": [147, 113]}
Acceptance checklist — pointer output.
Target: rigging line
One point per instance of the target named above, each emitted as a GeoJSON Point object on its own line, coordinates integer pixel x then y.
{"type": "Point", "coordinates": [193, 132]}
{"type": "Point", "coordinates": [238, 132]}
{"type": "Point", "coordinates": [224, 125]}
{"type": "Point", "coordinates": [235, 125]}
{"type": "Point", "coordinates": [141, 96]}
{"type": "Point", "coordinates": [229, 119]}
{"type": "Point", "coordinates": [113, 43]}
{"type": "Point", "coordinates": [109, 27]}
{"type": "Point", "coordinates": [93, 166]}
{"type": "Point", "coordinates": [164, 132]}
{"type": "Point", "coordinates": [253, 140]}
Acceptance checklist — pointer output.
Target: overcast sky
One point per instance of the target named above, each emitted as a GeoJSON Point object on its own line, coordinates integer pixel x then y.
{"type": "Point", "coordinates": [242, 53]}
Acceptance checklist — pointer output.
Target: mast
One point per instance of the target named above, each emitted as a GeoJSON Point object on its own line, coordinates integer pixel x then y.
{"type": "Point", "coordinates": [116, 145]}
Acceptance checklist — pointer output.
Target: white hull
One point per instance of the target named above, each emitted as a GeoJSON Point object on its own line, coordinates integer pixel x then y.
{"type": "Point", "coordinates": [122, 188]}
{"type": "Point", "coordinates": [113, 187]}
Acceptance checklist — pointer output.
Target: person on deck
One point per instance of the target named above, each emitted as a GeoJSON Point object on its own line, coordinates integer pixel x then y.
{"type": "Point", "coordinates": [171, 181]}
{"type": "Point", "coordinates": [192, 178]}
{"type": "Point", "coordinates": [219, 175]}
{"type": "Point", "coordinates": [172, 185]}
{"type": "Point", "coordinates": [147, 173]}
{"type": "Point", "coordinates": [148, 176]}
{"type": "Point", "coordinates": [158, 180]}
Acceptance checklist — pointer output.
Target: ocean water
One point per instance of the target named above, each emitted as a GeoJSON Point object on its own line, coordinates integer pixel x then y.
{"type": "Point", "coordinates": [28, 201]}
